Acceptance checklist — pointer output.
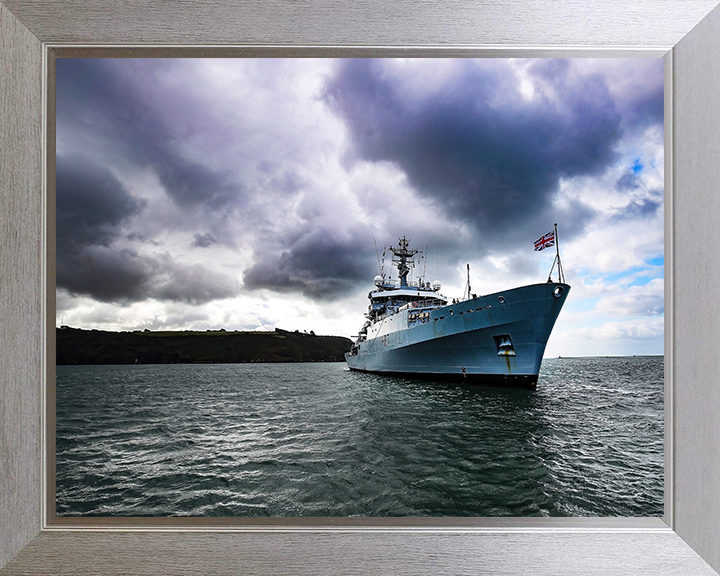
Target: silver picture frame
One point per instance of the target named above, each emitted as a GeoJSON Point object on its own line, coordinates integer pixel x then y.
{"type": "Point", "coordinates": [686, 33]}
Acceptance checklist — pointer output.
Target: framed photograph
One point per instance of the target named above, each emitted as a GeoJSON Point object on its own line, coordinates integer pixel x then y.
{"type": "Point", "coordinates": [684, 540]}
{"type": "Point", "coordinates": [281, 172]}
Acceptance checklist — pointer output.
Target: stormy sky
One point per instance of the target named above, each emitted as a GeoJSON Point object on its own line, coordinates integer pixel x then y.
{"type": "Point", "coordinates": [248, 194]}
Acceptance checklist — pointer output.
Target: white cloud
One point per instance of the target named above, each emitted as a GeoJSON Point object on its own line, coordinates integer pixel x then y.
{"type": "Point", "coordinates": [635, 329]}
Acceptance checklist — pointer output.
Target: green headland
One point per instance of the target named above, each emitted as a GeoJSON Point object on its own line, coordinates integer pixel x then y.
{"type": "Point", "coordinates": [76, 346]}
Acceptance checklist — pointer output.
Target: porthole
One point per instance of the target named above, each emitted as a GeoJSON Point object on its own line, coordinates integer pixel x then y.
{"type": "Point", "coordinates": [451, 312]}
{"type": "Point", "coordinates": [501, 299]}
{"type": "Point", "coordinates": [558, 291]}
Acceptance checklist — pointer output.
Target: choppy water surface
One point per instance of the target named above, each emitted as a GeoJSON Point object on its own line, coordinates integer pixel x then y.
{"type": "Point", "coordinates": [319, 440]}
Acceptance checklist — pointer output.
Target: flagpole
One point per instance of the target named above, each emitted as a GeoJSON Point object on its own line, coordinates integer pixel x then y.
{"type": "Point", "coordinates": [561, 276]}
{"type": "Point", "coordinates": [542, 243]}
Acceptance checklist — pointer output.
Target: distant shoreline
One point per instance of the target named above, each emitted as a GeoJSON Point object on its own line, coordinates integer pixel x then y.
{"type": "Point", "coordinates": [77, 346]}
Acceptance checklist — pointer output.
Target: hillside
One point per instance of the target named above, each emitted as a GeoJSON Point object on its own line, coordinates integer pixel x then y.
{"type": "Point", "coordinates": [76, 346]}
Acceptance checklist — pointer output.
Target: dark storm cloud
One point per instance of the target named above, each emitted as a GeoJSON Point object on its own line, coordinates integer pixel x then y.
{"type": "Point", "coordinates": [319, 264]}
{"type": "Point", "coordinates": [642, 208]}
{"type": "Point", "coordinates": [92, 204]}
{"type": "Point", "coordinates": [105, 275]}
{"type": "Point", "coordinates": [649, 108]}
{"type": "Point", "coordinates": [203, 240]}
{"type": "Point", "coordinates": [145, 122]}
{"type": "Point", "coordinates": [646, 202]}
{"type": "Point", "coordinates": [248, 160]}
{"type": "Point", "coordinates": [484, 153]}
{"type": "Point", "coordinates": [125, 276]}
{"type": "Point", "coordinates": [640, 95]}
{"type": "Point", "coordinates": [92, 208]}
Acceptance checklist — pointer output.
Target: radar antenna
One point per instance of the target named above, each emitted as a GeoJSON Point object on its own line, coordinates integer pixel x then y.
{"type": "Point", "coordinates": [377, 253]}
{"type": "Point", "coordinates": [403, 257]}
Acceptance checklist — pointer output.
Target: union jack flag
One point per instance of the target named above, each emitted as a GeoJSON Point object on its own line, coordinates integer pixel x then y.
{"type": "Point", "coordinates": [545, 241]}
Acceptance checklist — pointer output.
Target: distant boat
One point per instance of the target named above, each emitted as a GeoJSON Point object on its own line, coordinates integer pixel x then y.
{"type": "Point", "coordinates": [413, 330]}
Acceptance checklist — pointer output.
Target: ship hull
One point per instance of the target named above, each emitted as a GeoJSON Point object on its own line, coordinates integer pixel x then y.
{"type": "Point", "coordinates": [495, 339]}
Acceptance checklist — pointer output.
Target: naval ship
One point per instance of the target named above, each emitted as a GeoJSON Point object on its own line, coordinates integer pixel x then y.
{"type": "Point", "coordinates": [413, 330]}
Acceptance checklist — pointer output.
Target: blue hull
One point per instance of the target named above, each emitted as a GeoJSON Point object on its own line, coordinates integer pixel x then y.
{"type": "Point", "coordinates": [499, 338]}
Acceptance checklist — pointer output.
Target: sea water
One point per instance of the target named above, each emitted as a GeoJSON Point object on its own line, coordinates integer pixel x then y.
{"type": "Point", "coordinates": [314, 439]}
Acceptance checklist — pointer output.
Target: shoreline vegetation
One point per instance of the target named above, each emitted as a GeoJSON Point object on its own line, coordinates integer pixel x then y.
{"type": "Point", "coordinates": [78, 346]}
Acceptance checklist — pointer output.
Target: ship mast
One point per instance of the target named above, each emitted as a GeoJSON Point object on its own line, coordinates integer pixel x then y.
{"type": "Point", "coordinates": [401, 254]}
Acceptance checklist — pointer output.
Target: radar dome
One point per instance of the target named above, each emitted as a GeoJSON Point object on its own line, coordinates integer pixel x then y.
{"type": "Point", "coordinates": [378, 280]}
{"type": "Point", "coordinates": [436, 285]}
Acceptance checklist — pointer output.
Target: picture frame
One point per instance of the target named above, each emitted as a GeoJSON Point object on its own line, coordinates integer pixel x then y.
{"type": "Point", "coordinates": [686, 541]}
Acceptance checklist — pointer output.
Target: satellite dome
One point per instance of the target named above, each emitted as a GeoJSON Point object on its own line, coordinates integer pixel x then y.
{"type": "Point", "coordinates": [436, 285]}
{"type": "Point", "coordinates": [378, 280]}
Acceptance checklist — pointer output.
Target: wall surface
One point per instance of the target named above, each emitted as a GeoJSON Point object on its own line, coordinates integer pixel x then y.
{"type": "Point", "coordinates": [696, 309]}
{"type": "Point", "coordinates": [559, 548]}
{"type": "Point", "coordinates": [20, 286]}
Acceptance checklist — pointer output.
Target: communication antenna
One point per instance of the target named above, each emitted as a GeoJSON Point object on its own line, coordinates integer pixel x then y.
{"type": "Point", "coordinates": [377, 253]}
{"type": "Point", "coordinates": [425, 257]}
{"type": "Point", "coordinates": [468, 282]}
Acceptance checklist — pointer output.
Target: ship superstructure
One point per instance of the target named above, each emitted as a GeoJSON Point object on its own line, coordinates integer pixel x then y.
{"type": "Point", "coordinates": [412, 329]}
